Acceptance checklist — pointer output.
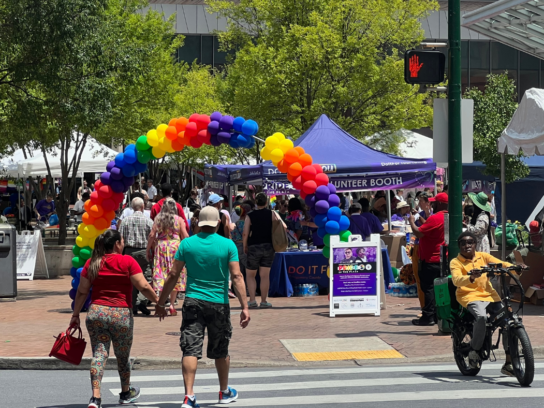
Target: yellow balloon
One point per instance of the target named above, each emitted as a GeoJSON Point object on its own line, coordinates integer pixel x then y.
{"type": "Point", "coordinates": [279, 136]}
{"type": "Point", "coordinates": [265, 153]}
{"type": "Point", "coordinates": [91, 243]}
{"type": "Point", "coordinates": [89, 231]}
{"type": "Point", "coordinates": [158, 152]}
{"type": "Point", "coordinates": [80, 228]}
{"type": "Point", "coordinates": [152, 138]}
{"type": "Point", "coordinates": [276, 155]}
{"type": "Point", "coordinates": [166, 145]}
{"type": "Point", "coordinates": [272, 142]}
{"type": "Point", "coordinates": [161, 129]}
{"type": "Point", "coordinates": [81, 241]}
{"type": "Point", "coordinates": [286, 144]}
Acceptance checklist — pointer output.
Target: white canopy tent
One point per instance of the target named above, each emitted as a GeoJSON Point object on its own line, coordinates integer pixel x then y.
{"type": "Point", "coordinates": [416, 146]}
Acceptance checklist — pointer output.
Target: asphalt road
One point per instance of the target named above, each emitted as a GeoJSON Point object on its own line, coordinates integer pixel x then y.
{"type": "Point", "coordinates": [421, 386]}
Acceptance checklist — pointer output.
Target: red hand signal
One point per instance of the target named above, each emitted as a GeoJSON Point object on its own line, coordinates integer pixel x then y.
{"type": "Point", "coordinates": [415, 66]}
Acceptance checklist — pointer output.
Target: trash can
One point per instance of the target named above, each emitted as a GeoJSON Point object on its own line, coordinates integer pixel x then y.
{"type": "Point", "coordinates": [8, 261]}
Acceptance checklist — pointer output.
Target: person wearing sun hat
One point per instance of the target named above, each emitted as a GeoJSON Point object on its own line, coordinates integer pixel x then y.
{"type": "Point", "coordinates": [480, 222]}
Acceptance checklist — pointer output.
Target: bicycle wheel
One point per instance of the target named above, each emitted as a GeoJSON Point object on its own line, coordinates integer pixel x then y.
{"type": "Point", "coordinates": [522, 356]}
{"type": "Point", "coordinates": [461, 342]}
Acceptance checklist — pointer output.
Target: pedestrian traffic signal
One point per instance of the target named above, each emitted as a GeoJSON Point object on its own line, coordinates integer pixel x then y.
{"type": "Point", "coordinates": [424, 67]}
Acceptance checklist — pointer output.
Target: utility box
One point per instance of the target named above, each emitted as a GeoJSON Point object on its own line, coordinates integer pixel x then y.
{"type": "Point", "coordinates": [8, 261]}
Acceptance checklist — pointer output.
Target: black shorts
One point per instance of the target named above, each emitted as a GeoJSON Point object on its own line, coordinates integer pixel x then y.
{"type": "Point", "coordinates": [197, 316]}
{"type": "Point", "coordinates": [260, 255]}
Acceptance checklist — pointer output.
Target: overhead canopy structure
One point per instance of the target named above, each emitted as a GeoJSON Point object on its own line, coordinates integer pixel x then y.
{"type": "Point", "coordinates": [415, 145]}
{"type": "Point", "coordinates": [517, 23]}
{"type": "Point", "coordinates": [350, 164]}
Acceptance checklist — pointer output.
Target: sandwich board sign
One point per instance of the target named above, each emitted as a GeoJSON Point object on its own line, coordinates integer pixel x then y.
{"type": "Point", "coordinates": [31, 256]}
{"type": "Point", "coordinates": [355, 276]}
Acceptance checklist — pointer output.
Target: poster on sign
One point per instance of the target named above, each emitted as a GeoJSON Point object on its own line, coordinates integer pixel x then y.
{"type": "Point", "coordinates": [355, 276]}
{"type": "Point", "coordinates": [31, 256]}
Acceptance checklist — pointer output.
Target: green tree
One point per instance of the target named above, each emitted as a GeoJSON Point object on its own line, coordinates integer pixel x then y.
{"type": "Point", "coordinates": [493, 109]}
{"type": "Point", "coordinates": [298, 60]}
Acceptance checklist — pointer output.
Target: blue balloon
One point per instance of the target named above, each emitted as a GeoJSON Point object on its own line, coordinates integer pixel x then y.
{"type": "Point", "coordinates": [72, 293]}
{"type": "Point", "coordinates": [250, 127]}
{"type": "Point", "coordinates": [129, 170]}
{"type": "Point", "coordinates": [130, 156]}
{"type": "Point", "coordinates": [75, 283]}
{"type": "Point", "coordinates": [320, 220]}
{"type": "Point", "coordinates": [321, 232]}
{"type": "Point", "coordinates": [237, 123]}
{"type": "Point", "coordinates": [334, 214]}
{"type": "Point", "coordinates": [233, 142]}
{"type": "Point", "coordinates": [131, 146]}
{"type": "Point", "coordinates": [118, 186]}
{"type": "Point", "coordinates": [140, 167]}
{"type": "Point", "coordinates": [120, 160]}
{"type": "Point", "coordinates": [332, 227]}
{"type": "Point", "coordinates": [242, 140]}
{"type": "Point", "coordinates": [251, 143]}
{"type": "Point", "coordinates": [73, 272]}
{"type": "Point", "coordinates": [343, 223]}
{"type": "Point", "coordinates": [78, 272]}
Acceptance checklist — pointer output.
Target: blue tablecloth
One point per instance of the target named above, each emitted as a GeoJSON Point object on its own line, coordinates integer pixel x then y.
{"type": "Point", "coordinates": [294, 268]}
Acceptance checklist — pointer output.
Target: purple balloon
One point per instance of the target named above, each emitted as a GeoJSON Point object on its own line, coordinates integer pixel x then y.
{"type": "Point", "coordinates": [116, 173]}
{"type": "Point", "coordinates": [105, 178]}
{"type": "Point", "coordinates": [72, 294]}
{"type": "Point", "coordinates": [321, 207]}
{"type": "Point", "coordinates": [128, 181]}
{"type": "Point", "coordinates": [223, 137]}
{"type": "Point", "coordinates": [214, 140]}
{"type": "Point", "coordinates": [322, 193]}
{"type": "Point", "coordinates": [310, 200]}
{"type": "Point", "coordinates": [110, 165]}
{"type": "Point", "coordinates": [226, 122]}
{"type": "Point", "coordinates": [118, 186]}
{"type": "Point", "coordinates": [334, 200]}
{"type": "Point", "coordinates": [332, 188]}
{"type": "Point", "coordinates": [129, 170]}
{"type": "Point", "coordinates": [216, 116]}
{"type": "Point", "coordinates": [213, 127]}
{"type": "Point", "coordinates": [87, 304]}
{"type": "Point", "coordinates": [313, 212]}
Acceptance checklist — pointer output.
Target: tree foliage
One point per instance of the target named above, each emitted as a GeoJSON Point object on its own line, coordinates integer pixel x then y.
{"type": "Point", "coordinates": [298, 60]}
{"type": "Point", "coordinates": [493, 110]}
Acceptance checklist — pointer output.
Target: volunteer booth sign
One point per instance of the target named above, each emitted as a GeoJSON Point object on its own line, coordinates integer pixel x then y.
{"type": "Point", "coordinates": [355, 276]}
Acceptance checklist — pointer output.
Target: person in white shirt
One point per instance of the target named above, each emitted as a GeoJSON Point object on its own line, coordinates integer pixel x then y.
{"type": "Point", "coordinates": [151, 190]}
{"type": "Point", "coordinates": [79, 207]}
{"type": "Point", "coordinates": [400, 195]}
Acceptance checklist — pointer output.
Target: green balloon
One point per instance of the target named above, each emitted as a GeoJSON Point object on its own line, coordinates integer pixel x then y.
{"type": "Point", "coordinates": [78, 262]}
{"type": "Point", "coordinates": [144, 156]}
{"type": "Point", "coordinates": [75, 250]}
{"type": "Point", "coordinates": [326, 251]}
{"type": "Point", "coordinates": [85, 253]}
{"type": "Point", "coordinates": [327, 240]}
{"type": "Point", "coordinates": [141, 144]}
{"type": "Point", "coordinates": [344, 235]}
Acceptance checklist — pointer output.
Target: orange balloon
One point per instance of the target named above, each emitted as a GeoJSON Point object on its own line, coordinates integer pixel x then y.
{"type": "Point", "coordinates": [110, 215]}
{"type": "Point", "coordinates": [290, 178]}
{"type": "Point", "coordinates": [283, 166]}
{"type": "Point", "coordinates": [172, 122]}
{"type": "Point", "coordinates": [96, 211]}
{"type": "Point", "coordinates": [291, 156]}
{"type": "Point", "coordinates": [305, 160]}
{"type": "Point", "coordinates": [181, 123]}
{"type": "Point", "coordinates": [178, 144]}
{"type": "Point", "coordinates": [171, 133]}
{"type": "Point", "coordinates": [87, 219]}
{"type": "Point", "coordinates": [101, 223]}
{"type": "Point", "coordinates": [300, 150]}
{"type": "Point", "coordinates": [295, 169]}
{"type": "Point", "coordinates": [87, 206]}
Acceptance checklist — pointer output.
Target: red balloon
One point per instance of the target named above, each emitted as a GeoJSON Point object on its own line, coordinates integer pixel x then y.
{"type": "Point", "coordinates": [308, 173]}
{"type": "Point", "coordinates": [283, 166]}
{"type": "Point", "coordinates": [110, 215]}
{"type": "Point", "coordinates": [196, 142]}
{"type": "Point", "coordinates": [87, 205]}
{"type": "Point", "coordinates": [321, 179]}
{"type": "Point", "coordinates": [193, 117]}
{"type": "Point", "coordinates": [203, 121]}
{"type": "Point", "coordinates": [297, 183]}
{"type": "Point", "coordinates": [105, 192]}
{"type": "Point", "coordinates": [208, 139]}
{"type": "Point", "coordinates": [87, 219]}
{"type": "Point", "coordinates": [181, 123]}
{"type": "Point", "coordinates": [171, 123]}
{"type": "Point", "coordinates": [96, 211]}
{"type": "Point", "coordinates": [118, 198]}
{"type": "Point", "coordinates": [303, 195]}
{"type": "Point", "coordinates": [318, 168]}
{"type": "Point", "coordinates": [95, 198]}
{"type": "Point", "coordinates": [97, 184]}
{"type": "Point", "coordinates": [309, 186]}
{"type": "Point", "coordinates": [305, 160]}
{"type": "Point", "coordinates": [109, 204]}
{"type": "Point", "coordinates": [171, 133]}
{"type": "Point", "coordinates": [202, 135]}
{"type": "Point", "coordinates": [101, 223]}
{"type": "Point", "coordinates": [290, 178]}
{"type": "Point", "coordinates": [191, 130]}
{"type": "Point", "coordinates": [178, 144]}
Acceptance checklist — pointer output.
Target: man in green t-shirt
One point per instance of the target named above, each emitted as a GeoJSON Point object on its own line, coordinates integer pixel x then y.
{"type": "Point", "coordinates": [209, 259]}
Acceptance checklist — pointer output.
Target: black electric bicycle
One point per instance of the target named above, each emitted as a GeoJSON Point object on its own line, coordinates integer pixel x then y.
{"type": "Point", "coordinates": [510, 327]}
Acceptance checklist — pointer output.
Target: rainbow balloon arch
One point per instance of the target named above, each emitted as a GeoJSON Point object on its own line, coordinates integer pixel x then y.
{"type": "Point", "coordinates": [214, 130]}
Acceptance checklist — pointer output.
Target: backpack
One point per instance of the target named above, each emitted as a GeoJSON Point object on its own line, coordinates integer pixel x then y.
{"type": "Point", "coordinates": [279, 236]}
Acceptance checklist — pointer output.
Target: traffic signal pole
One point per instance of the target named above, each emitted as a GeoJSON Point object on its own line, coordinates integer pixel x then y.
{"type": "Point", "coordinates": [455, 169]}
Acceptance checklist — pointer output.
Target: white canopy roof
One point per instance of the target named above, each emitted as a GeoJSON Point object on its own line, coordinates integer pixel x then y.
{"type": "Point", "coordinates": [94, 159]}
{"type": "Point", "coordinates": [526, 129]}
{"type": "Point", "coordinates": [517, 23]}
{"type": "Point", "coordinates": [416, 146]}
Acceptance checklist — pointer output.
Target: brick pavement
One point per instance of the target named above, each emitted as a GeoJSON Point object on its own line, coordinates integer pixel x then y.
{"type": "Point", "coordinates": [43, 310]}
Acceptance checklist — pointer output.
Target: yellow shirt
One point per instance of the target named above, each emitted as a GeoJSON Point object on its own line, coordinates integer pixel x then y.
{"type": "Point", "coordinates": [481, 289]}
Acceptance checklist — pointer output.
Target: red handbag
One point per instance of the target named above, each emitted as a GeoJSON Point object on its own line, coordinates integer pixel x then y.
{"type": "Point", "coordinates": [69, 348]}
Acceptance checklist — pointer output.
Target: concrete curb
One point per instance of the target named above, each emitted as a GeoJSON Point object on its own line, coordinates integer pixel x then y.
{"type": "Point", "coordinates": [151, 363]}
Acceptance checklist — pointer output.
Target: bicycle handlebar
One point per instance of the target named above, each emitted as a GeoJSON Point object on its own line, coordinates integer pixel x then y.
{"type": "Point", "coordinates": [498, 269]}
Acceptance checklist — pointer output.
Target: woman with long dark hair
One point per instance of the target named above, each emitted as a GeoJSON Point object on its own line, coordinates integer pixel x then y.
{"type": "Point", "coordinates": [111, 276]}
{"type": "Point", "coordinates": [480, 221]}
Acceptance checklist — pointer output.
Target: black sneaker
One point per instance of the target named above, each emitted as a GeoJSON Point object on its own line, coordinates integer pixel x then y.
{"type": "Point", "coordinates": [130, 396]}
{"type": "Point", "coordinates": [142, 308]}
{"type": "Point", "coordinates": [95, 403]}
{"type": "Point", "coordinates": [422, 322]}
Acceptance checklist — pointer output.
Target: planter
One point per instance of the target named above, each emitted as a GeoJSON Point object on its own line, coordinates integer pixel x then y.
{"type": "Point", "coordinates": [58, 259]}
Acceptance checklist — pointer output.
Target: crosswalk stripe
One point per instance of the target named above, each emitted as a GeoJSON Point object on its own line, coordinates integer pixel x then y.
{"type": "Point", "coordinates": [303, 372]}
{"type": "Point", "coordinates": [307, 385]}
{"type": "Point", "coordinates": [468, 394]}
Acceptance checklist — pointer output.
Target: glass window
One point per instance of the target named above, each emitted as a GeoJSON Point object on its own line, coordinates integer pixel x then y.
{"type": "Point", "coordinates": [528, 75]}
{"type": "Point", "coordinates": [190, 50]}
{"type": "Point", "coordinates": [464, 66]}
{"type": "Point", "coordinates": [504, 58]}
{"type": "Point", "coordinates": [219, 57]}
{"type": "Point", "coordinates": [479, 63]}
{"type": "Point", "coordinates": [207, 50]}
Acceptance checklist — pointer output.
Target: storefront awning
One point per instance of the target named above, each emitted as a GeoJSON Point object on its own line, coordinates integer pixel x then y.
{"type": "Point", "coordinates": [517, 23]}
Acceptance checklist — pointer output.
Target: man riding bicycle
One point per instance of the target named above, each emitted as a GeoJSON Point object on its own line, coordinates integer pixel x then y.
{"type": "Point", "coordinates": [475, 293]}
